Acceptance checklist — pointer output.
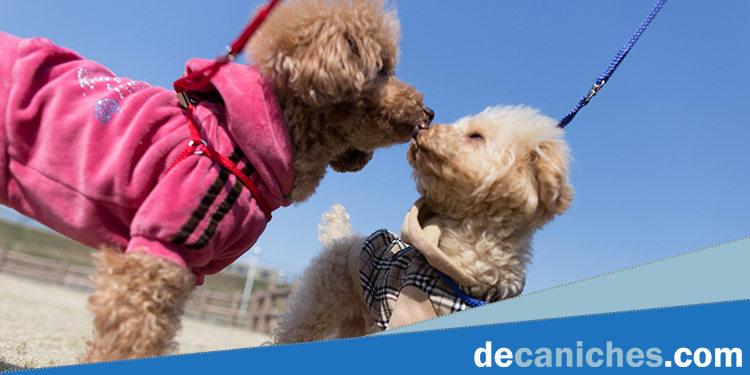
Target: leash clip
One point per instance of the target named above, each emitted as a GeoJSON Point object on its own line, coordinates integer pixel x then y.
{"type": "Point", "coordinates": [227, 56]}
{"type": "Point", "coordinates": [184, 99]}
{"type": "Point", "coordinates": [594, 89]}
{"type": "Point", "coordinates": [196, 151]}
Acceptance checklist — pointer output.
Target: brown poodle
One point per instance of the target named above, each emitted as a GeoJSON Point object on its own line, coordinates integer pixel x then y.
{"type": "Point", "coordinates": [487, 182]}
{"type": "Point", "coordinates": [323, 71]}
{"type": "Point", "coordinates": [332, 64]}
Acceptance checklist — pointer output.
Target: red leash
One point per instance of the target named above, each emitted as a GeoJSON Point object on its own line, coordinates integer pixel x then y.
{"type": "Point", "coordinates": [200, 79]}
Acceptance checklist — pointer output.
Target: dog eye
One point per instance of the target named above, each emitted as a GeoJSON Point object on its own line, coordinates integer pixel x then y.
{"type": "Point", "coordinates": [476, 136]}
{"type": "Point", "coordinates": [386, 68]}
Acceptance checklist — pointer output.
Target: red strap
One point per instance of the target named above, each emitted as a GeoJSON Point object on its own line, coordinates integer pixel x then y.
{"type": "Point", "coordinates": [200, 79]}
{"type": "Point", "coordinates": [240, 43]}
{"type": "Point", "coordinates": [235, 170]}
{"type": "Point", "coordinates": [197, 146]}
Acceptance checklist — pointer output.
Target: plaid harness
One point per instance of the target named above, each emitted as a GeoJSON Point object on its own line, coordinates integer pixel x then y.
{"type": "Point", "coordinates": [387, 265]}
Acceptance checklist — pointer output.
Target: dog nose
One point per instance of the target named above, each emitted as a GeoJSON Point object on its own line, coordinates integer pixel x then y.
{"type": "Point", "coordinates": [430, 116]}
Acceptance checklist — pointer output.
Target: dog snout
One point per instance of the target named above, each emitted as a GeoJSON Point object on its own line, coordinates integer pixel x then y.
{"type": "Point", "coordinates": [430, 116]}
{"type": "Point", "coordinates": [418, 130]}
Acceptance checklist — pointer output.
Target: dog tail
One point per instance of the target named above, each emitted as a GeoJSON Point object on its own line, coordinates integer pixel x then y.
{"type": "Point", "coordinates": [334, 225]}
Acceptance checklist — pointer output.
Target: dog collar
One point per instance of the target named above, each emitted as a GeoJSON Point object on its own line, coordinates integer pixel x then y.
{"type": "Point", "coordinates": [464, 297]}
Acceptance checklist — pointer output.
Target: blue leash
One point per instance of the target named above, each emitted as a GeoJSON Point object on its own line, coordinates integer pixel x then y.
{"type": "Point", "coordinates": [465, 297]}
{"type": "Point", "coordinates": [604, 77]}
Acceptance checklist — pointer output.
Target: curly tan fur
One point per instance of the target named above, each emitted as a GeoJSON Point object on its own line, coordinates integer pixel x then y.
{"type": "Point", "coordinates": [332, 64]}
{"type": "Point", "coordinates": [322, 305]}
{"type": "Point", "coordinates": [491, 180]}
{"type": "Point", "coordinates": [138, 304]}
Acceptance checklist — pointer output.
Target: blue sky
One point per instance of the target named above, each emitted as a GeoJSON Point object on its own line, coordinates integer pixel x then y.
{"type": "Point", "coordinates": [661, 154]}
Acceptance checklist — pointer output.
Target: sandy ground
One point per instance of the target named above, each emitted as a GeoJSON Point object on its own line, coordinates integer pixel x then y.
{"type": "Point", "coordinates": [43, 325]}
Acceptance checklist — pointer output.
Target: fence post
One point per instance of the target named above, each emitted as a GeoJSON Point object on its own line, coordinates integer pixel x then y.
{"type": "Point", "coordinates": [234, 307]}
{"type": "Point", "coordinates": [260, 314]}
{"type": "Point", "coordinates": [3, 251]}
{"type": "Point", "coordinates": [204, 302]}
{"type": "Point", "coordinates": [252, 308]}
{"type": "Point", "coordinates": [273, 316]}
{"type": "Point", "coordinates": [265, 310]}
{"type": "Point", "coordinates": [62, 269]}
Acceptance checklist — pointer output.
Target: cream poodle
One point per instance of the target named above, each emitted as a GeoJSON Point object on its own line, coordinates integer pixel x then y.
{"type": "Point", "coordinates": [103, 159]}
{"type": "Point", "coordinates": [487, 183]}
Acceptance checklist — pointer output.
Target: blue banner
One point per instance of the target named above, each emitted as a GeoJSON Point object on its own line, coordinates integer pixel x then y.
{"type": "Point", "coordinates": [687, 313]}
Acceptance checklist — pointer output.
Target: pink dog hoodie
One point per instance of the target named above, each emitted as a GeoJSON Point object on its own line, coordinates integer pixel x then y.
{"type": "Point", "coordinates": [86, 153]}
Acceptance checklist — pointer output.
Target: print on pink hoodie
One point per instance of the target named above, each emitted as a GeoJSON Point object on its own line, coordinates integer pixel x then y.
{"type": "Point", "coordinates": [86, 153]}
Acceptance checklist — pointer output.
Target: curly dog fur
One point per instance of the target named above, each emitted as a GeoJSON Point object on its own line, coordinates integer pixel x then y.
{"type": "Point", "coordinates": [490, 181]}
{"type": "Point", "coordinates": [327, 303]}
{"type": "Point", "coordinates": [332, 65]}
{"type": "Point", "coordinates": [138, 304]}
{"type": "Point", "coordinates": [493, 179]}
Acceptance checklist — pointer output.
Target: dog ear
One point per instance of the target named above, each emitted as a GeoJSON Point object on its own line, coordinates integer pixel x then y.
{"type": "Point", "coordinates": [554, 190]}
{"type": "Point", "coordinates": [351, 160]}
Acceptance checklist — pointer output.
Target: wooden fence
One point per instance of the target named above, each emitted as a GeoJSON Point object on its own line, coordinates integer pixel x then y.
{"type": "Point", "coordinates": [262, 310]}
{"type": "Point", "coordinates": [222, 308]}
{"type": "Point", "coordinates": [58, 272]}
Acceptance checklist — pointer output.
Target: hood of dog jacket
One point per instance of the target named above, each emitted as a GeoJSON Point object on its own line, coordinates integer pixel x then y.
{"type": "Point", "coordinates": [418, 231]}
{"type": "Point", "coordinates": [86, 153]}
{"type": "Point", "coordinates": [421, 229]}
{"type": "Point", "coordinates": [255, 122]}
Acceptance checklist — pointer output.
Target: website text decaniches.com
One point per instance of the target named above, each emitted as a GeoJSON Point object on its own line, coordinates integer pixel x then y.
{"type": "Point", "coordinates": [610, 356]}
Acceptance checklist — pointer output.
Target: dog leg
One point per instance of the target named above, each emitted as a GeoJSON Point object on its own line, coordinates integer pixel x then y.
{"type": "Point", "coordinates": [326, 303]}
{"type": "Point", "coordinates": [355, 325]}
{"type": "Point", "coordinates": [138, 304]}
